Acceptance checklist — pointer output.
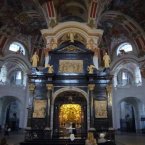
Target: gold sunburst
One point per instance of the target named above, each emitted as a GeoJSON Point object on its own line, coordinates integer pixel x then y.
{"type": "Point", "coordinates": [70, 113]}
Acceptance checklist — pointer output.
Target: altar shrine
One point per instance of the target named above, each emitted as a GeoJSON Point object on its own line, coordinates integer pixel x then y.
{"type": "Point", "coordinates": [71, 93]}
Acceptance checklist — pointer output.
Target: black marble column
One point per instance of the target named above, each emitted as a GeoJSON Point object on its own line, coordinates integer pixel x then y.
{"type": "Point", "coordinates": [91, 102]}
{"type": "Point", "coordinates": [49, 101]}
{"type": "Point", "coordinates": [30, 104]}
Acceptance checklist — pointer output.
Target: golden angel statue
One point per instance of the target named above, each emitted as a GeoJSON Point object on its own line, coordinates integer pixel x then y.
{"type": "Point", "coordinates": [91, 69]}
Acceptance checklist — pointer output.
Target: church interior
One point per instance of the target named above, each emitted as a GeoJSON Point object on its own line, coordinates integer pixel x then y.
{"type": "Point", "coordinates": [72, 72]}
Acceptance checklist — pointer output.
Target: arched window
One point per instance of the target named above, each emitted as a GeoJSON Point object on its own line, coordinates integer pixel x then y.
{"type": "Point", "coordinates": [124, 48]}
{"type": "Point", "coordinates": [17, 47]}
{"type": "Point", "coordinates": [3, 74]}
{"type": "Point", "coordinates": [124, 78]}
{"type": "Point", "coordinates": [17, 78]}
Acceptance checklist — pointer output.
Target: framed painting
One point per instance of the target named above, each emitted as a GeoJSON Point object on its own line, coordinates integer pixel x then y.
{"type": "Point", "coordinates": [39, 108]}
{"type": "Point", "coordinates": [100, 109]}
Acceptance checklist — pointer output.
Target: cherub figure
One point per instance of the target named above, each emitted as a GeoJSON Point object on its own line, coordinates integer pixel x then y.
{"type": "Point", "coordinates": [50, 69]}
{"type": "Point", "coordinates": [91, 69]}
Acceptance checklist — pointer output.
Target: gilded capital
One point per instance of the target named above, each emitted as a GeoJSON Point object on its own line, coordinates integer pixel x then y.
{"type": "Point", "coordinates": [109, 88]}
{"type": "Point", "coordinates": [91, 87]}
{"type": "Point", "coordinates": [31, 87]}
{"type": "Point", "coordinates": [49, 86]}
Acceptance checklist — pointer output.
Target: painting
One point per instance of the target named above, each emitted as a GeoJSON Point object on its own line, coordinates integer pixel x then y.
{"type": "Point", "coordinates": [100, 109]}
{"type": "Point", "coordinates": [71, 66]}
{"type": "Point", "coordinates": [39, 108]}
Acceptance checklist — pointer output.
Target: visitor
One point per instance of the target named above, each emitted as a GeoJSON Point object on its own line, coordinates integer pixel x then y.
{"type": "Point", "coordinates": [6, 130]}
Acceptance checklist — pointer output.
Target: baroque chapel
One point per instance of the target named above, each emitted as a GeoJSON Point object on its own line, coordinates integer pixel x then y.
{"type": "Point", "coordinates": [72, 67]}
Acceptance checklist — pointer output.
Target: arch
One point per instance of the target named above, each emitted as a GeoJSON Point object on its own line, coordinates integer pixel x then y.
{"type": "Point", "coordinates": [75, 89]}
{"type": "Point", "coordinates": [20, 60]}
{"type": "Point", "coordinates": [128, 24]}
{"type": "Point", "coordinates": [65, 28]}
{"type": "Point", "coordinates": [7, 100]}
{"type": "Point", "coordinates": [69, 89]}
{"type": "Point", "coordinates": [135, 103]}
{"type": "Point", "coordinates": [130, 64]}
{"type": "Point", "coordinates": [122, 60]}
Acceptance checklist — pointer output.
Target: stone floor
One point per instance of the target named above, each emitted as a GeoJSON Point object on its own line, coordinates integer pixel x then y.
{"type": "Point", "coordinates": [121, 138]}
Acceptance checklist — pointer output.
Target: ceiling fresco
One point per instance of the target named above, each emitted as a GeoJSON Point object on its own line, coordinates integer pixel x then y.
{"type": "Point", "coordinates": [132, 8]}
{"type": "Point", "coordinates": [29, 17]}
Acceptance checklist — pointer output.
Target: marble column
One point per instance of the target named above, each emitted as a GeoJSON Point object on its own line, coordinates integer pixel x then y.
{"type": "Point", "coordinates": [31, 97]}
{"type": "Point", "coordinates": [49, 100]}
{"type": "Point", "coordinates": [91, 102]}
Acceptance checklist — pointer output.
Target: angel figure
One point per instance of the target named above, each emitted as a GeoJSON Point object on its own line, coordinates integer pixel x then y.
{"type": "Point", "coordinates": [91, 69]}
{"type": "Point", "coordinates": [50, 69]}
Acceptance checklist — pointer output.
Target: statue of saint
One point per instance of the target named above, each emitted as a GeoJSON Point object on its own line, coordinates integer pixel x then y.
{"type": "Point", "coordinates": [96, 57]}
{"type": "Point", "coordinates": [50, 68]}
{"type": "Point", "coordinates": [71, 36]}
{"type": "Point", "coordinates": [35, 59]}
{"type": "Point", "coordinates": [91, 69]}
{"type": "Point", "coordinates": [106, 60]}
{"type": "Point", "coordinates": [46, 53]}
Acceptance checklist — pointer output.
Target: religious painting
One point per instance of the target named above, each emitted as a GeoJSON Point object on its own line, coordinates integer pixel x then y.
{"type": "Point", "coordinates": [71, 66]}
{"type": "Point", "coordinates": [39, 108]}
{"type": "Point", "coordinates": [100, 109]}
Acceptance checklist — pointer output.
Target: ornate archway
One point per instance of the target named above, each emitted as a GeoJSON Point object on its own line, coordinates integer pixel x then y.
{"type": "Point", "coordinates": [70, 114]}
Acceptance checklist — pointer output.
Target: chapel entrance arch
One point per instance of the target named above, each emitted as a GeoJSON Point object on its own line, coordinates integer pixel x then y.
{"type": "Point", "coordinates": [70, 115]}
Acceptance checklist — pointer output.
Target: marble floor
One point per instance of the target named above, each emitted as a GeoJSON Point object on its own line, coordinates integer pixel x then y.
{"type": "Point", "coordinates": [121, 138]}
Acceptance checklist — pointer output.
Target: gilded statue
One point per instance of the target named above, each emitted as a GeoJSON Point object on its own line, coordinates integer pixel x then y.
{"type": "Point", "coordinates": [90, 139]}
{"type": "Point", "coordinates": [35, 59]}
{"type": "Point", "coordinates": [91, 69]}
{"type": "Point", "coordinates": [71, 36]}
{"type": "Point", "coordinates": [107, 60]}
{"type": "Point", "coordinates": [50, 68]}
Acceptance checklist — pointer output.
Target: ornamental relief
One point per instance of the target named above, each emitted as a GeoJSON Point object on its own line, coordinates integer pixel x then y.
{"type": "Point", "coordinates": [71, 66]}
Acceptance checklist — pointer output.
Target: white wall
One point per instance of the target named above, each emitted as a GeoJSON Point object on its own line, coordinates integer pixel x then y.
{"type": "Point", "coordinates": [119, 94]}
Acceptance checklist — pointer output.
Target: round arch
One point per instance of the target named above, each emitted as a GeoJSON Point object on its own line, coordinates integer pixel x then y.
{"type": "Point", "coordinates": [135, 114]}
{"type": "Point", "coordinates": [74, 89]}
{"type": "Point", "coordinates": [128, 24]}
{"type": "Point", "coordinates": [7, 111]}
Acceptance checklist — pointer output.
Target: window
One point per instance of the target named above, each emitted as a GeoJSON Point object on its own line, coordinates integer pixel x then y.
{"type": "Point", "coordinates": [3, 74]}
{"type": "Point", "coordinates": [124, 78]}
{"type": "Point", "coordinates": [124, 48]}
{"type": "Point", "coordinates": [17, 78]}
{"type": "Point", "coordinates": [17, 47]}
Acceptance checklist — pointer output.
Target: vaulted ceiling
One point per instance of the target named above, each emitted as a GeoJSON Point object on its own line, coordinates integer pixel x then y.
{"type": "Point", "coordinates": [28, 17]}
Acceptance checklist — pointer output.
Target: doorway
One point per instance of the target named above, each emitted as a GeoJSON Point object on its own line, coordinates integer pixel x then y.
{"type": "Point", "coordinates": [127, 115]}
